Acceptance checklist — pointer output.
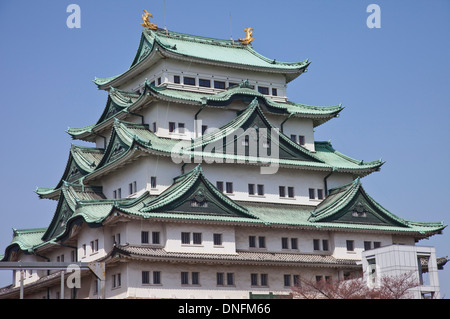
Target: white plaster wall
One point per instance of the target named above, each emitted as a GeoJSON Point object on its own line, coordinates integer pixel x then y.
{"type": "Point", "coordinates": [173, 242]}
{"type": "Point", "coordinates": [168, 68]}
{"type": "Point", "coordinates": [85, 237]}
{"type": "Point", "coordinates": [171, 287]}
{"type": "Point", "coordinates": [141, 171]}
{"type": "Point", "coordinates": [296, 126]}
{"type": "Point", "coordinates": [241, 175]}
{"type": "Point", "coordinates": [340, 243]}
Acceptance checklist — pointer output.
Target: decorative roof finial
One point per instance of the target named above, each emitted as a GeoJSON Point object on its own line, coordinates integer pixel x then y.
{"type": "Point", "coordinates": [248, 38]}
{"type": "Point", "coordinates": [146, 18]}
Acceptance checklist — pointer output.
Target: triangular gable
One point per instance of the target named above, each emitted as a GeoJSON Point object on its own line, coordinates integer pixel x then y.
{"type": "Point", "coordinates": [58, 224]}
{"type": "Point", "coordinates": [116, 148]}
{"type": "Point", "coordinates": [144, 49]}
{"type": "Point", "coordinates": [73, 170]}
{"type": "Point", "coordinates": [251, 134]}
{"type": "Point", "coordinates": [192, 193]}
{"type": "Point", "coordinates": [351, 204]}
{"type": "Point", "coordinates": [110, 110]}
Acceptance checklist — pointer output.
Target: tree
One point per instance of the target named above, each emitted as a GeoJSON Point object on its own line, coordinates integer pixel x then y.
{"type": "Point", "coordinates": [390, 287]}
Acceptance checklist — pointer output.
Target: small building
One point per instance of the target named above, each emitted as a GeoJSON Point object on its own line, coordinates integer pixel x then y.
{"type": "Point", "coordinates": [419, 263]}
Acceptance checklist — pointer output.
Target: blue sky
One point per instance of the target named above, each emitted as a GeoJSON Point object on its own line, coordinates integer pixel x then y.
{"type": "Point", "coordinates": [393, 82]}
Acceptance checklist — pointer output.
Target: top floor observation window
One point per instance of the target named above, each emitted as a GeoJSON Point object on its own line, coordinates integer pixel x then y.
{"type": "Point", "coordinates": [188, 80]}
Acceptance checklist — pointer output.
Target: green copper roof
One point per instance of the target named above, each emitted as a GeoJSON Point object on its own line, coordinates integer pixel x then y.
{"type": "Point", "coordinates": [351, 204]}
{"type": "Point", "coordinates": [128, 101]}
{"type": "Point", "coordinates": [193, 197]}
{"type": "Point", "coordinates": [157, 44]}
{"type": "Point", "coordinates": [193, 193]}
{"type": "Point", "coordinates": [127, 138]}
{"type": "Point", "coordinates": [82, 160]}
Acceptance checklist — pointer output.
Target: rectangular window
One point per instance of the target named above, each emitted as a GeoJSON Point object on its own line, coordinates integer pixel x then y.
{"type": "Point", "coordinates": [159, 81]}
{"type": "Point", "coordinates": [116, 239]}
{"type": "Point", "coordinates": [282, 190]}
{"type": "Point", "coordinates": [251, 241]}
{"type": "Point", "coordinates": [254, 279]}
{"type": "Point", "coordinates": [264, 280]}
{"type": "Point", "coordinates": [316, 244]}
{"type": "Point", "coordinates": [204, 83]}
{"type": "Point", "coordinates": [176, 79]}
{"type": "Point", "coordinates": [145, 277]}
{"type": "Point", "coordinates": [350, 245]}
{"type": "Point", "coordinates": [195, 278]}
{"type": "Point", "coordinates": [197, 238]}
{"type": "Point", "coordinates": [312, 194]}
{"type": "Point", "coordinates": [219, 186]}
{"type": "Point", "coordinates": [229, 187]}
{"type": "Point", "coordinates": [263, 90]}
{"type": "Point", "coordinates": [156, 277]}
{"type": "Point", "coordinates": [320, 193]}
{"type": "Point", "coordinates": [367, 245]}
{"type": "Point", "coordinates": [219, 85]}
{"type": "Point", "coordinates": [260, 190]}
{"type": "Point", "coordinates": [325, 245]}
{"type": "Point", "coordinates": [181, 128]}
{"type": "Point", "coordinates": [130, 188]}
{"type": "Point", "coordinates": [274, 92]}
{"type": "Point", "coordinates": [230, 279]}
{"type": "Point", "coordinates": [144, 237]}
{"type": "Point", "coordinates": [155, 237]}
{"type": "Point", "coordinates": [185, 238]}
{"type": "Point", "coordinates": [294, 138]}
{"type": "Point", "coordinates": [115, 194]}
{"type": "Point", "coordinates": [219, 279]}
{"type": "Point", "coordinates": [284, 243]}
{"type": "Point", "coordinates": [230, 84]}
{"type": "Point", "coordinates": [153, 182]}
{"type": "Point", "coordinates": [251, 189]}
{"type": "Point", "coordinates": [184, 278]}
{"type": "Point", "coordinates": [204, 128]}
{"type": "Point", "coordinates": [287, 280]}
{"type": "Point", "coordinates": [217, 238]}
{"type": "Point", "coordinates": [154, 127]}
{"type": "Point", "coordinates": [301, 140]}
{"type": "Point", "coordinates": [188, 80]}
{"type": "Point", "coordinates": [376, 244]}
{"type": "Point", "coordinates": [119, 280]}
{"type": "Point", "coordinates": [171, 127]}
{"type": "Point", "coordinates": [296, 280]}
{"type": "Point", "coordinates": [262, 242]}
{"type": "Point", "coordinates": [291, 192]}
{"type": "Point", "coordinates": [294, 243]}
